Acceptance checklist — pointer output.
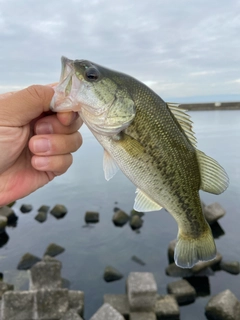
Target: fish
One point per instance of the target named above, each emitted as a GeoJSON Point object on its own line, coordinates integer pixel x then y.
{"type": "Point", "coordinates": [153, 144]}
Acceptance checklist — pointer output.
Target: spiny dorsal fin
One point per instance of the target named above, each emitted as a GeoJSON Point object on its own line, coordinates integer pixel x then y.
{"type": "Point", "coordinates": [184, 120]}
{"type": "Point", "coordinates": [214, 178]}
{"type": "Point", "coordinates": [109, 166]}
{"type": "Point", "coordinates": [144, 203]}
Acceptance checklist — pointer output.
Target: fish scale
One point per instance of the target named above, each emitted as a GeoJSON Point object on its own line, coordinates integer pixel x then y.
{"type": "Point", "coordinates": [152, 142]}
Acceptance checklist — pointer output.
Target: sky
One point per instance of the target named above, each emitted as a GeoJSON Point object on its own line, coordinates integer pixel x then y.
{"type": "Point", "coordinates": [184, 50]}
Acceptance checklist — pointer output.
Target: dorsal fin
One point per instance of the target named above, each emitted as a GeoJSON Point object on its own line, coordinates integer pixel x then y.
{"type": "Point", "coordinates": [184, 120]}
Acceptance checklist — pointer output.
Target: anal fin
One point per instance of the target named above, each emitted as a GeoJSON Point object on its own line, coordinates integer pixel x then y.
{"type": "Point", "coordinates": [144, 203]}
{"type": "Point", "coordinates": [109, 166]}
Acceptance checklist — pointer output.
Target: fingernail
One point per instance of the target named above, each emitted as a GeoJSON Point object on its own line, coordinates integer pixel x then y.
{"type": "Point", "coordinates": [44, 128]}
{"type": "Point", "coordinates": [41, 145]}
{"type": "Point", "coordinates": [41, 161]}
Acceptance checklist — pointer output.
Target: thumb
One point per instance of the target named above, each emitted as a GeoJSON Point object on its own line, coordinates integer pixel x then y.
{"type": "Point", "coordinates": [21, 107]}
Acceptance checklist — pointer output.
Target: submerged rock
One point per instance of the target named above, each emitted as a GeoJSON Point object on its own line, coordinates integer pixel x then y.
{"type": "Point", "coordinates": [217, 230]}
{"type": "Point", "coordinates": [27, 261]}
{"type": "Point", "coordinates": [91, 217]}
{"type": "Point", "coordinates": [120, 218]}
{"type": "Point", "coordinates": [53, 250]}
{"type": "Point", "coordinates": [4, 237]}
{"type": "Point", "coordinates": [25, 208]}
{"type": "Point", "coordinates": [41, 216]}
{"type": "Point", "coordinates": [223, 306]}
{"type": "Point", "coordinates": [201, 285]}
{"type": "Point", "coordinates": [112, 274]}
{"type": "Point", "coordinates": [138, 260]}
{"type": "Point", "coordinates": [213, 212]}
{"type": "Point", "coordinates": [171, 248]}
{"type": "Point", "coordinates": [174, 271]}
{"type": "Point", "coordinates": [205, 264]}
{"type": "Point", "coordinates": [232, 267]}
{"type": "Point", "coordinates": [136, 222]}
{"type": "Point", "coordinates": [136, 213]}
{"type": "Point", "coordinates": [59, 211]}
{"type": "Point", "coordinates": [44, 208]}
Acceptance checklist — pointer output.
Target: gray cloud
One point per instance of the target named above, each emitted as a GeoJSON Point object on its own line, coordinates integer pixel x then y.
{"type": "Point", "coordinates": [180, 48]}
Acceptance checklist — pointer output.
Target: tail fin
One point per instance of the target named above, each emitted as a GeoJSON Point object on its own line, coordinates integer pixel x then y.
{"type": "Point", "coordinates": [189, 251]}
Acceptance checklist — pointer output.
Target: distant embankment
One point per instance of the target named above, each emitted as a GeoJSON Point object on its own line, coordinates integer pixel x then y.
{"type": "Point", "coordinates": [211, 106]}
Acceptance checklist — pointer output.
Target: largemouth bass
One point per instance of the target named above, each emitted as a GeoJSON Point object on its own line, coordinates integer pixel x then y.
{"type": "Point", "coordinates": [152, 142]}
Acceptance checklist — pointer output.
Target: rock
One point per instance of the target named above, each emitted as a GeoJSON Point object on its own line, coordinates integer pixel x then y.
{"type": "Point", "coordinates": [71, 315]}
{"type": "Point", "coordinates": [119, 302]}
{"type": "Point", "coordinates": [182, 291]}
{"type": "Point", "coordinates": [171, 248]}
{"type": "Point", "coordinates": [142, 291]}
{"type": "Point", "coordinates": [66, 284]}
{"type": "Point", "coordinates": [76, 301]}
{"type": "Point", "coordinates": [232, 267]}
{"type": "Point", "coordinates": [50, 259]}
{"type": "Point", "coordinates": [115, 209]}
{"type": "Point", "coordinates": [18, 305]}
{"type": "Point", "coordinates": [173, 270]}
{"type": "Point", "coordinates": [51, 304]}
{"type": "Point", "coordinates": [111, 274]}
{"type": "Point", "coordinates": [213, 212]}
{"type": "Point", "coordinates": [25, 208]}
{"type": "Point", "coordinates": [4, 237]}
{"type": "Point", "coordinates": [8, 213]}
{"type": "Point", "coordinates": [205, 264]}
{"type": "Point", "coordinates": [27, 261]}
{"type": "Point", "coordinates": [201, 285]}
{"type": "Point", "coordinates": [138, 260]}
{"type": "Point", "coordinates": [142, 316]}
{"type": "Point", "coordinates": [41, 216]}
{"type": "Point", "coordinates": [59, 211]}
{"type": "Point", "coordinates": [107, 312]}
{"type": "Point", "coordinates": [136, 213]}
{"type": "Point", "coordinates": [91, 217]}
{"type": "Point", "coordinates": [217, 230]}
{"type": "Point", "coordinates": [4, 287]}
{"type": "Point", "coordinates": [223, 306]}
{"type": "Point", "coordinates": [3, 223]}
{"type": "Point", "coordinates": [45, 275]}
{"type": "Point", "coordinates": [136, 222]}
{"type": "Point", "coordinates": [53, 250]}
{"type": "Point", "coordinates": [120, 218]}
{"type": "Point", "coordinates": [167, 307]}
{"type": "Point", "coordinates": [44, 208]}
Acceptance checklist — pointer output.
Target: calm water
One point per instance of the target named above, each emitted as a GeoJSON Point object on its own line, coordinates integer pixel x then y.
{"type": "Point", "coordinates": [89, 250]}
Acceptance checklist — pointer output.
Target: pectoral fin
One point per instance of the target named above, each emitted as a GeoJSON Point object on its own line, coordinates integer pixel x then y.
{"type": "Point", "coordinates": [214, 179]}
{"type": "Point", "coordinates": [109, 166]}
{"type": "Point", "coordinates": [144, 203]}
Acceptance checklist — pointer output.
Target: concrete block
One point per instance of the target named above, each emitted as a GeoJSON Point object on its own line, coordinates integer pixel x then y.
{"type": "Point", "coordinates": [167, 308]}
{"type": "Point", "coordinates": [142, 291]}
{"type": "Point", "coordinates": [142, 316]}
{"type": "Point", "coordinates": [107, 312]}
{"type": "Point", "coordinates": [118, 302]}
{"type": "Point", "coordinates": [51, 304]}
{"type": "Point", "coordinates": [76, 301]}
{"type": "Point", "coordinates": [71, 315]}
{"type": "Point", "coordinates": [18, 305]}
{"type": "Point", "coordinates": [45, 275]}
{"type": "Point", "coordinates": [4, 287]}
{"type": "Point", "coordinates": [223, 306]}
{"type": "Point", "coordinates": [182, 291]}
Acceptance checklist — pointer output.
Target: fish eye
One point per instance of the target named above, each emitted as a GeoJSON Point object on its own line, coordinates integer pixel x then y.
{"type": "Point", "coordinates": [92, 74]}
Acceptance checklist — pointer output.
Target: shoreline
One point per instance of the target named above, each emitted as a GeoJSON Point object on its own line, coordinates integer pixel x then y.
{"type": "Point", "coordinates": [210, 106]}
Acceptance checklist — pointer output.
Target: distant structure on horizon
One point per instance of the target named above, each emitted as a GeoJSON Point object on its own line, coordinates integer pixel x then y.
{"type": "Point", "coordinates": [210, 106]}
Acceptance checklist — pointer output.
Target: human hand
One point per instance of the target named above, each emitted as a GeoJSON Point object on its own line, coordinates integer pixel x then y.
{"type": "Point", "coordinates": [35, 144]}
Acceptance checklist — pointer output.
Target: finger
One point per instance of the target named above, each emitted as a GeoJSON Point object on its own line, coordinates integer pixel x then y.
{"type": "Point", "coordinates": [55, 144]}
{"type": "Point", "coordinates": [56, 164]}
{"type": "Point", "coordinates": [25, 105]}
{"type": "Point", "coordinates": [66, 118]}
{"type": "Point", "coordinates": [51, 124]}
